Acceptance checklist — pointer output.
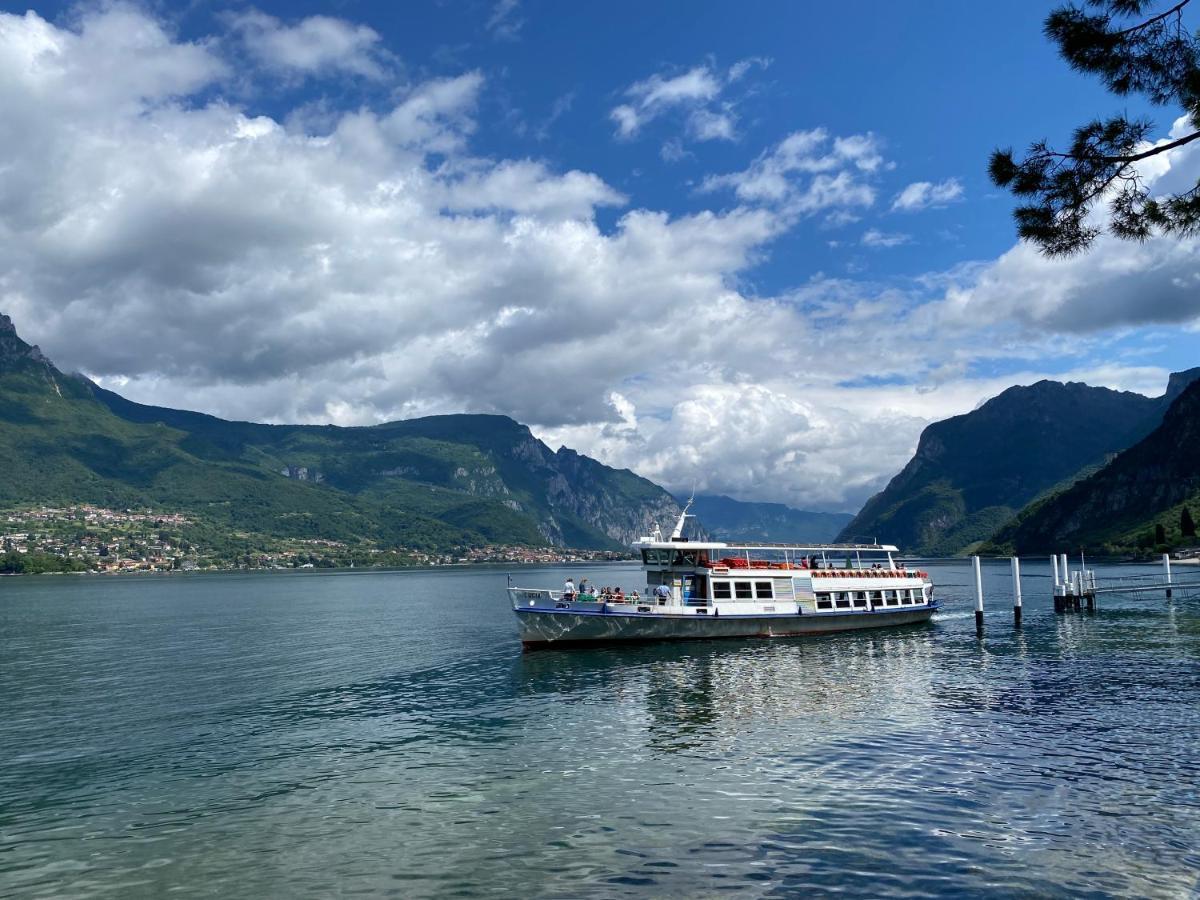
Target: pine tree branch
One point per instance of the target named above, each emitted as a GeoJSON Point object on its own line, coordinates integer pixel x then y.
{"type": "Point", "coordinates": [1132, 158]}
{"type": "Point", "coordinates": [1153, 20]}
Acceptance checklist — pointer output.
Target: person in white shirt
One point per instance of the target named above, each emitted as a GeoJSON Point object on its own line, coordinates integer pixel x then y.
{"type": "Point", "coordinates": [663, 593]}
{"type": "Point", "coordinates": [569, 589]}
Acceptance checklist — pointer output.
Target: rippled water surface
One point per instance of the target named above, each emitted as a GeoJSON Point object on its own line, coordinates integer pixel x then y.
{"type": "Point", "coordinates": [298, 735]}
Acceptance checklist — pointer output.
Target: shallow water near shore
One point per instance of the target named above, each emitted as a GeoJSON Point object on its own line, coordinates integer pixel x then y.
{"type": "Point", "coordinates": [305, 735]}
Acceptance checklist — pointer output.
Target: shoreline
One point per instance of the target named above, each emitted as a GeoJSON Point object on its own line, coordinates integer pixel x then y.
{"type": "Point", "coordinates": [322, 570]}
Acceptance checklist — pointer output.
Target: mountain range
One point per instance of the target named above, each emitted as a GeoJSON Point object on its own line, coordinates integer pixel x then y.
{"type": "Point", "coordinates": [1050, 466]}
{"type": "Point", "coordinates": [724, 518]}
{"type": "Point", "coordinates": [426, 483]}
{"type": "Point", "coordinates": [973, 474]}
{"type": "Point", "coordinates": [1141, 493]}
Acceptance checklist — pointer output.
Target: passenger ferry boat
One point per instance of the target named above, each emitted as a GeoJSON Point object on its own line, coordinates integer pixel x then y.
{"type": "Point", "coordinates": [709, 589]}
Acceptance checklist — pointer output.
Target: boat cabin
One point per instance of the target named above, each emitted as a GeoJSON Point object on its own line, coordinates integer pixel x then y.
{"type": "Point", "coordinates": [701, 573]}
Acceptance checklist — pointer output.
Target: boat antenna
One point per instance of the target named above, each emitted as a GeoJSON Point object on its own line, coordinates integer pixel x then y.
{"type": "Point", "coordinates": [683, 516]}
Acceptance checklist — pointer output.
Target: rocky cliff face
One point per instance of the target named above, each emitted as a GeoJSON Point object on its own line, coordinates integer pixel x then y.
{"type": "Point", "coordinates": [618, 503]}
{"type": "Point", "coordinates": [14, 352]}
{"type": "Point", "coordinates": [579, 495]}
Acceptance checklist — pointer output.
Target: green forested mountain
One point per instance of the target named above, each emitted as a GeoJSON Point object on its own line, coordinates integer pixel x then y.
{"type": "Point", "coordinates": [1120, 506]}
{"type": "Point", "coordinates": [727, 519]}
{"type": "Point", "coordinates": [426, 483]}
{"type": "Point", "coordinates": [972, 473]}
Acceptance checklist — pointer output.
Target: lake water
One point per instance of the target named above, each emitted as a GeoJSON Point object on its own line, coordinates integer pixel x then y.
{"type": "Point", "coordinates": [310, 735]}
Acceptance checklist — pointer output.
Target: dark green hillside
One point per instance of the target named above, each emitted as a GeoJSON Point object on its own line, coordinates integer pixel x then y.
{"type": "Point", "coordinates": [1117, 508]}
{"type": "Point", "coordinates": [59, 446]}
{"type": "Point", "coordinates": [972, 473]}
{"type": "Point", "coordinates": [428, 483]}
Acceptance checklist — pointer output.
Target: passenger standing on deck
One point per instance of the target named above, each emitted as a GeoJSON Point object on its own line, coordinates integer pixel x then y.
{"type": "Point", "coordinates": [569, 590]}
{"type": "Point", "coordinates": [663, 593]}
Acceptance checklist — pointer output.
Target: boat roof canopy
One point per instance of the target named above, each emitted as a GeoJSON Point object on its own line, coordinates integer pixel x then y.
{"type": "Point", "coordinates": [648, 544]}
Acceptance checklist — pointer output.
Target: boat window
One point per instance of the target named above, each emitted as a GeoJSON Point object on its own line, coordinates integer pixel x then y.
{"type": "Point", "coordinates": [763, 590]}
{"type": "Point", "coordinates": [839, 595]}
{"type": "Point", "coordinates": [687, 558]}
{"type": "Point", "coordinates": [892, 601]}
{"type": "Point", "coordinates": [843, 604]}
{"type": "Point", "coordinates": [656, 556]}
{"type": "Point", "coordinates": [743, 590]}
{"type": "Point", "coordinates": [721, 590]}
{"type": "Point", "coordinates": [876, 596]}
{"type": "Point", "coordinates": [860, 601]}
{"type": "Point", "coordinates": [824, 603]}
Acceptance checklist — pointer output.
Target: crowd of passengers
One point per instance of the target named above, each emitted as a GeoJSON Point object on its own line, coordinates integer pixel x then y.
{"type": "Point", "coordinates": [589, 592]}
{"type": "Point", "coordinates": [815, 562]}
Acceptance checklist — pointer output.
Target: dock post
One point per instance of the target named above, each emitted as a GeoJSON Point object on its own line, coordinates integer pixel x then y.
{"type": "Point", "coordinates": [1016, 575]}
{"type": "Point", "coordinates": [1070, 600]}
{"type": "Point", "coordinates": [978, 595]}
{"type": "Point", "coordinates": [1167, 572]}
{"type": "Point", "coordinates": [1054, 568]}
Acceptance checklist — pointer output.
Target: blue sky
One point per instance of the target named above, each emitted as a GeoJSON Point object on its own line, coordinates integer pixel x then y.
{"type": "Point", "coordinates": [751, 246]}
{"type": "Point", "coordinates": [941, 86]}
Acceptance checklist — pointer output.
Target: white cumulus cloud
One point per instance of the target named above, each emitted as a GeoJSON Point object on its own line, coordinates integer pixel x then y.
{"type": "Point", "coordinates": [313, 45]}
{"type": "Point", "coordinates": [695, 91]}
{"type": "Point", "coordinates": [926, 194]}
{"type": "Point", "coordinates": [808, 171]}
{"type": "Point", "coordinates": [873, 237]}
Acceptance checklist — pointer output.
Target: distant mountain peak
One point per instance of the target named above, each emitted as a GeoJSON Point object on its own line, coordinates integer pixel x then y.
{"type": "Point", "coordinates": [13, 350]}
{"type": "Point", "coordinates": [726, 518]}
{"type": "Point", "coordinates": [1179, 382]}
{"type": "Point", "coordinates": [971, 473]}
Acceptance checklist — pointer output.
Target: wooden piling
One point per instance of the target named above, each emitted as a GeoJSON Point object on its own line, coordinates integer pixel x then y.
{"type": "Point", "coordinates": [1016, 576]}
{"type": "Point", "coordinates": [978, 595]}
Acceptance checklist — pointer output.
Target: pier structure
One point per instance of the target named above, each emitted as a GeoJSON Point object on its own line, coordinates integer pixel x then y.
{"type": "Point", "coordinates": [1074, 590]}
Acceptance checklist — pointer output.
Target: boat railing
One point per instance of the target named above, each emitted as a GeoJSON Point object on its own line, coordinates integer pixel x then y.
{"type": "Point", "coordinates": [737, 564]}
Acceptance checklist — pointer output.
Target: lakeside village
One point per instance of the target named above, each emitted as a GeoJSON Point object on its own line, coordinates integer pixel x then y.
{"type": "Point", "coordinates": [90, 539]}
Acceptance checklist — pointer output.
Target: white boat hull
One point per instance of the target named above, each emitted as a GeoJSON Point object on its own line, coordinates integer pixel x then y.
{"type": "Point", "coordinates": [546, 627]}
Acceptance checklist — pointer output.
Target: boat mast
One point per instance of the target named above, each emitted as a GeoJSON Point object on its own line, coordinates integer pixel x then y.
{"type": "Point", "coordinates": [683, 516]}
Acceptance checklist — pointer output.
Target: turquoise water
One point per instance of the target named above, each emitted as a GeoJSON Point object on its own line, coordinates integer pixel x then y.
{"type": "Point", "coordinates": [309, 735]}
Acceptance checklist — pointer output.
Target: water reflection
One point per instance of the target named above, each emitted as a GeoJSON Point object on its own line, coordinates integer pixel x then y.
{"type": "Point", "coordinates": [702, 694]}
